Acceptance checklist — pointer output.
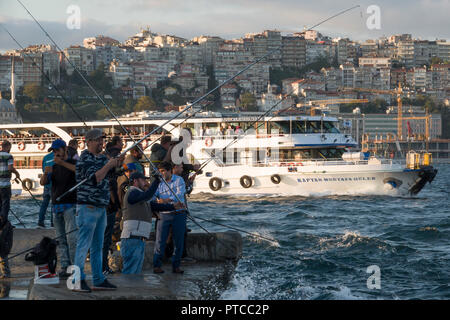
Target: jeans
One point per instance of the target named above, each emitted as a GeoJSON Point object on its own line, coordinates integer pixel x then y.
{"type": "Point", "coordinates": [178, 223]}
{"type": "Point", "coordinates": [44, 205]}
{"type": "Point", "coordinates": [66, 222]}
{"type": "Point", "coordinates": [5, 199]}
{"type": "Point", "coordinates": [110, 220]}
{"type": "Point", "coordinates": [132, 251]}
{"type": "Point", "coordinates": [91, 222]}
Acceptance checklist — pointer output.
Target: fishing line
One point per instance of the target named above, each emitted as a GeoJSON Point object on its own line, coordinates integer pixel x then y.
{"type": "Point", "coordinates": [124, 129]}
{"type": "Point", "coordinates": [17, 218]}
{"type": "Point", "coordinates": [237, 229]}
{"type": "Point", "coordinates": [181, 112]}
{"type": "Point", "coordinates": [32, 196]}
{"type": "Point", "coordinates": [45, 75]}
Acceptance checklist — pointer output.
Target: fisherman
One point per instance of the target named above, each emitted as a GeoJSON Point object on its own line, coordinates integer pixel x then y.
{"type": "Point", "coordinates": [92, 200]}
{"type": "Point", "coordinates": [159, 153]}
{"type": "Point", "coordinates": [61, 177]}
{"type": "Point", "coordinates": [175, 219]}
{"type": "Point", "coordinates": [6, 168]}
{"type": "Point", "coordinates": [137, 221]}
{"type": "Point", "coordinates": [47, 161]}
{"type": "Point", "coordinates": [178, 169]}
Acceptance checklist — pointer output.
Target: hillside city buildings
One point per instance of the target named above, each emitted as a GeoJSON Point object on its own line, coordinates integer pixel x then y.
{"type": "Point", "coordinates": [138, 64]}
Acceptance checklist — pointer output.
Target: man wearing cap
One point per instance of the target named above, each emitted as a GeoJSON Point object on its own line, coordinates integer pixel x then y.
{"type": "Point", "coordinates": [133, 160]}
{"type": "Point", "coordinates": [61, 176]}
{"type": "Point", "coordinates": [92, 200]}
{"type": "Point", "coordinates": [137, 221]}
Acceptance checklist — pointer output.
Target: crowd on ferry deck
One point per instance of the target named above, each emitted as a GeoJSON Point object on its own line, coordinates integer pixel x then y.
{"type": "Point", "coordinates": [116, 198]}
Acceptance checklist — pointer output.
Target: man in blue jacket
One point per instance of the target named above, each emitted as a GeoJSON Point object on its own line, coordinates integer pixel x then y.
{"type": "Point", "coordinates": [137, 221]}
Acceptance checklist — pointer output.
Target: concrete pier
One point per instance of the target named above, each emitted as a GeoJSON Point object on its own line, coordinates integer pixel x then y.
{"type": "Point", "coordinates": [215, 257]}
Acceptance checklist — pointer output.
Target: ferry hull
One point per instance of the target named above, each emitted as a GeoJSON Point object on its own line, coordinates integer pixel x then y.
{"type": "Point", "coordinates": [301, 181]}
{"type": "Point", "coordinates": [322, 183]}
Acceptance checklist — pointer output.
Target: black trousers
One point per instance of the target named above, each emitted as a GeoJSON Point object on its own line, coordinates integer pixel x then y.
{"type": "Point", "coordinates": [5, 199]}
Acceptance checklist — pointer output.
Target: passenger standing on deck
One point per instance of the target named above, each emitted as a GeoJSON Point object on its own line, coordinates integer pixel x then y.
{"type": "Point", "coordinates": [137, 221]}
{"type": "Point", "coordinates": [46, 196]}
{"type": "Point", "coordinates": [174, 219]}
{"type": "Point", "coordinates": [92, 200]}
{"type": "Point", "coordinates": [61, 176]}
{"type": "Point", "coordinates": [6, 168]}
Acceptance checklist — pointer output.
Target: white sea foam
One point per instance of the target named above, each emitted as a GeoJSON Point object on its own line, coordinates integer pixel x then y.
{"type": "Point", "coordinates": [266, 234]}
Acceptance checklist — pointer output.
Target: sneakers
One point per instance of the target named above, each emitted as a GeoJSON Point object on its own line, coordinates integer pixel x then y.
{"type": "Point", "coordinates": [83, 287]}
{"type": "Point", "coordinates": [41, 226]}
{"type": "Point", "coordinates": [106, 285]}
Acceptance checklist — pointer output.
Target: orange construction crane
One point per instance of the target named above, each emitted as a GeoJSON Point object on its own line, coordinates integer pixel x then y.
{"type": "Point", "coordinates": [398, 92]}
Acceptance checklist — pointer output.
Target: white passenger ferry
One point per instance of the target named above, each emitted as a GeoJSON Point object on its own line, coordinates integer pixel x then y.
{"type": "Point", "coordinates": [278, 155]}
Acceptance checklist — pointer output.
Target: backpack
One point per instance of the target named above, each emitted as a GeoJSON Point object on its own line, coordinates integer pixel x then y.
{"type": "Point", "coordinates": [6, 239]}
{"type": "Point", "coordinates": [44, 253]}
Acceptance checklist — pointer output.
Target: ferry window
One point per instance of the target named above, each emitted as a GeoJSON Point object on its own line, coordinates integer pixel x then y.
{"type": "Point", "coordinates": [313, 127]}
{"type": "Point", "coordinates": [261, 128]}
{"type": "Point", "coordinates": [280, 127]}
{"type": "Point", "coordinates": [330, 153]}
{"type": "Point", "coordinates": [298, 127]}
{"type": "Point", "coordinates": [328, 127]}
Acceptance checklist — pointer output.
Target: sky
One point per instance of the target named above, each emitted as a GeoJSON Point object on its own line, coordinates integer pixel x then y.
{"type": "Point", "coordinates": [229, 19]}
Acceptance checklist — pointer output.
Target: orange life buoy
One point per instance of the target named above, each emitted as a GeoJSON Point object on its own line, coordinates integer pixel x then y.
{"type": "Point", "coordinates": [21, 145]}
{"type": "Point", "coordinates": [81, 144]}
{"type": "Point", "coordinates": [41, 145]}
{"type": "Point", "coordinates": [208, 142]}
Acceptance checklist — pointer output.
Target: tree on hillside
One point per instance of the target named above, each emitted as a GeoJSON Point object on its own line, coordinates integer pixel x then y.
{"type": "Point", "coordinates": [145, 103]}
{"type": "Point", "coordinates": [248, 102]}
{"type": "Point", "coordinates": [33, 91]}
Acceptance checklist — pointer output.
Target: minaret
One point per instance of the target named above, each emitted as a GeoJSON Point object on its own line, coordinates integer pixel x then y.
{"type": "Point", "coordinates": [13, 84]}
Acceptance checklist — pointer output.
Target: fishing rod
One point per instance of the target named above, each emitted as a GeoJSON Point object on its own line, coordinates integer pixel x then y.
{"type": "Point", "coordinates": [178, 114]}
{"type": "Point", "coordinates": [17, 218]}
{"type": "Point", "coordinates": [168, 121]}
{"type": "Point", "coordinates": [240, 230]}
{"type": "Point", "coordinates": [235, 139]}
{"type": "Point", "coordinates": [125, 130]}
{"type": "Point", "coordinates": [45, 75]}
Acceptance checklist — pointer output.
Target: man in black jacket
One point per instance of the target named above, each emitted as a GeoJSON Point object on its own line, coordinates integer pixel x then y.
{"type": "Point", "coordinates": [62, 177]}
